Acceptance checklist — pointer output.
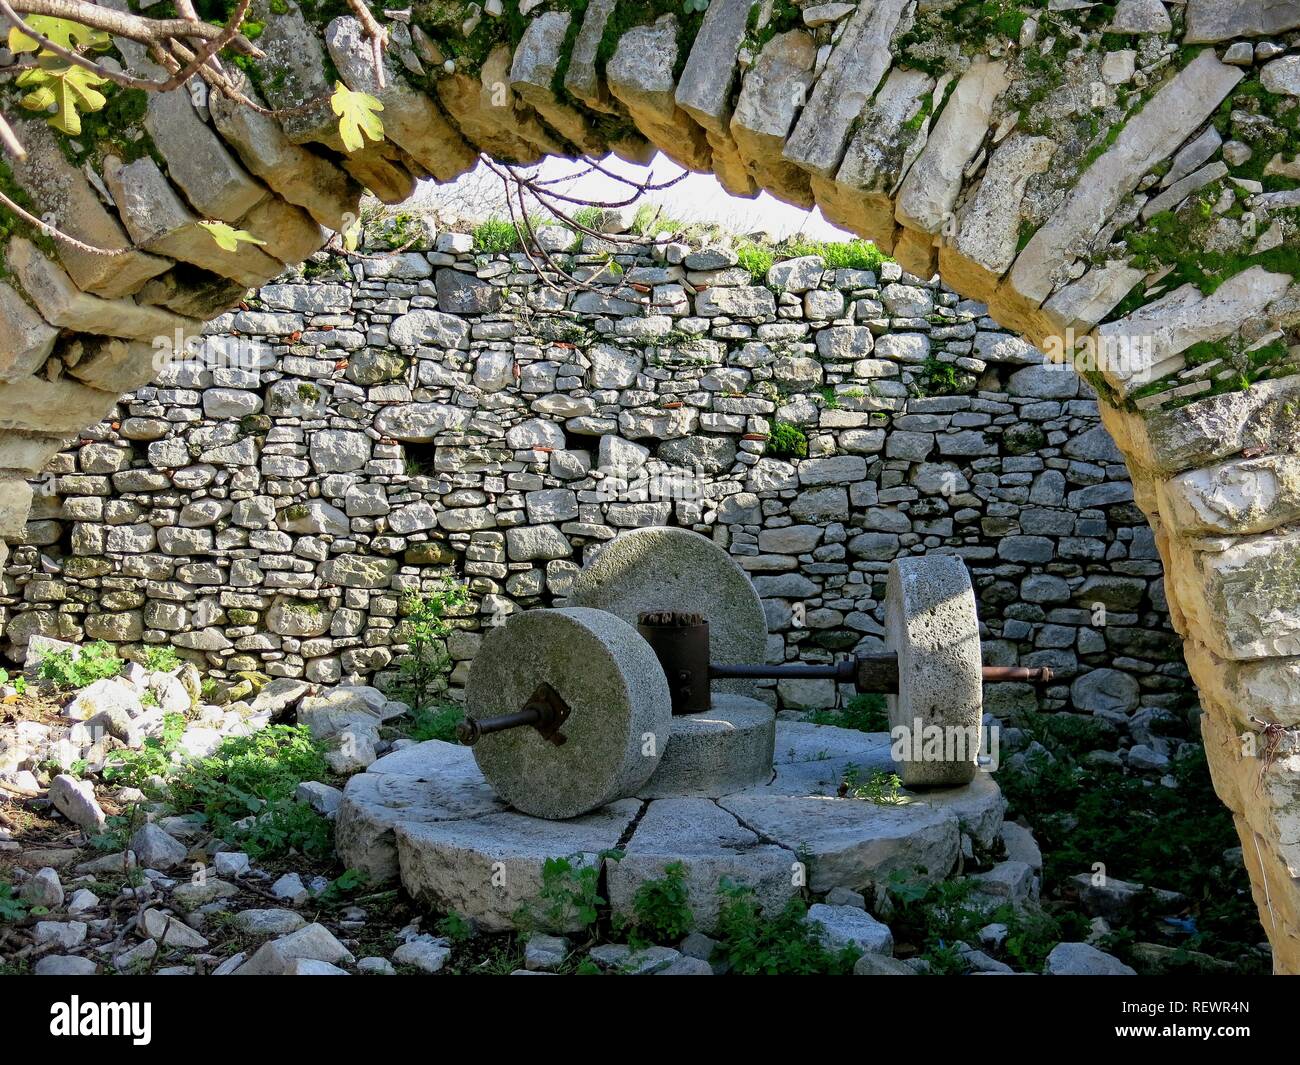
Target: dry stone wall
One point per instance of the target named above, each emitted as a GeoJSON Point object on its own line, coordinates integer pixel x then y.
{"type": "Point", "coordinates": [348, 438]}
{"type": "Point", "coordinates": [1116, 181]}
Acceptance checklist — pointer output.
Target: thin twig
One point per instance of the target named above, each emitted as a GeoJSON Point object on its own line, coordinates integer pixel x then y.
{"type": "Point", "coordinates": [129, 81]}
{"type": "Point", "coordinates": [12, 144]}
{"type": "Point", "coordinates": [57, 234]}
{"type": "Point", "coordinates": [133, 27]}
{"type": "Point", "coordinates": [377, 34]}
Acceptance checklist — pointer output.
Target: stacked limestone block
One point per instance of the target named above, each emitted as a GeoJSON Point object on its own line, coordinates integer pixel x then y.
{"type": "Point", "coordinates": [1219, 485]}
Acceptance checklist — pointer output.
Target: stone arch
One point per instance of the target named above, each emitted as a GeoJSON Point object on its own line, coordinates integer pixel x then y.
{"type": "Point", "coordinates": [1096, 175]}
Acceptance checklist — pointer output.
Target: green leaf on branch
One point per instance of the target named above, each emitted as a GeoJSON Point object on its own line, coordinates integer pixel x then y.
{"type": "Point", "coordinates": [63, 93]}
{"type": "Point", "coordinates": [227, 237]}
{"type": "Point", "coordinates": [358, 118]}
{"type": "Point", "coordinates": [63, 32]}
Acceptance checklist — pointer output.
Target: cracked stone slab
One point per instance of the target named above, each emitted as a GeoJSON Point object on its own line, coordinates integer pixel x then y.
{"type": "Point", "coordinates": [1182, 319]}
{"type": "Point", "coordinates": [489, 868]}
{"type": "Point", "coordinates": [62, 304]}
{"type": "Point", "coordinates": [112, 365]}
{"type": "Point", "coordinates": [705, 89]}
{"type": "Point", "coordinates": [159, 220]}
{"type": "Point", "coordinates": [67, 200]}
{"type": "Point", "coordinates": [853, 843]}
{"type": "Point", "coordinates": [712, 846]}
{"type": "Point", "coordinates": [35, 405]}
{"type": "Point", "coordinates": [1240, 594]}
{"type": "Point", "coordinates": [1211, 429]}
{"type": "Point", "coordinates": [581, 78]}
{"type": "Point", "coordinates": [850, 77]}
{"type": "Point", "coordinates": [860, 196]}
{"type": "Point", "coordinates": [411, 119]}
{"type": "Point", "coordinates": [532, 73]}
{"type": "Point", "coordinates": [1151, 136]}
{"type": "Point", "coordinates": [429, 782]}
{"type": "Point", "coordinates": [1239, 497]}
{"type": "Point", "coordinates": [505, 132]}
{"type": "Point", "coordinates": [1211, 21]}
{"type": "Point", "coordinates": [766, 109]}
{"type": "Point", "coordinates": [296, 174]}
{"type": "Point", "coordinates": [640, 75]}
{"type": "Point", "coordinates": [290, 233]}
{"type": "Point", "coordinates": [929, 192]}
{"type": "Point", "coordinates": [198, 161]}
{"type": "Point", "coordinates": [990, 221]}
{"type": "Point", "coordinates": [26, 340]}
{"type": "Point", "coordinates": [1086, 302]}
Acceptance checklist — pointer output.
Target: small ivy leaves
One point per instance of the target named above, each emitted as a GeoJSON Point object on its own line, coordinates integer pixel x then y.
{"type": "Point", "coordinates": [62, 90]}
{"type": "Point", "coordinates": [358, 117]}
{"type": "Point", "coordinates": [227, 237]}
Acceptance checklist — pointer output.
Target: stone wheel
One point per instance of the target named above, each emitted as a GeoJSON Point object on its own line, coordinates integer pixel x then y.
{"type": "Point", "coordinates": [931, 623]}
{"type": "Point", "coordinates": [675, 569]}
{"type": "Point", "coordinates": [620, 710]}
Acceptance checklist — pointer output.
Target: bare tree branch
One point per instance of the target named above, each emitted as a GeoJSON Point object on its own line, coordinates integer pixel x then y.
{"type": "Point", "coordinates": [123, 24]}
{"type": "Point", "coordinates": [58, 234]}
{"type": "Point", "coordinates": [129, 81]}
{"type": "Point", "coordinates": [10, 140]}
{"type": "Point", "coordinates": [377, 34]}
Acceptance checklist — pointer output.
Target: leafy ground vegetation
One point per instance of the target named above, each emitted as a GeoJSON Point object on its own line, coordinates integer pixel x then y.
{"type": "Point", "coordinates": [1174, 835]}
{"type": "Point", "coordinates": [244, 798]}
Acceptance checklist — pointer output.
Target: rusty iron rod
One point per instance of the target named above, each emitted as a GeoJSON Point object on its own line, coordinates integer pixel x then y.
{"type": "Point", "coordinates": [1039, 675]}
{"type": "Point", "coordinates": [471, 730]}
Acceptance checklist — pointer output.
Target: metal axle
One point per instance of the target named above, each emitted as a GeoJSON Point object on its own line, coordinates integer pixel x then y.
{"type": "Point", "coordinates": [681, 642]}
{"type": "Point", "coordinates": [545, 711]}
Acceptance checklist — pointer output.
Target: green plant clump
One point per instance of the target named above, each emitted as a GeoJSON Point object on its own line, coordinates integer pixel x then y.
{"type": "Point", "coordinates": [19, 683]}
{"type": "Point", "coordinates": [570, 893]}
{"type": "Point", "coordinates": [866, 713]}
{"type": "Point", "coordinates": [785, 944]}
{"type": "Point", "coordinates": [661, 908]}
{"type": "Point", "coordinates": [787, 441]}
{"type": "Point", "coordinates": [882, 788]}
{"type": "Point", "coordinates": [159, 659]}
{"type": "Point", "coordinates": [422, 671]}
{"type": "Point", "coordinates": [12, 907]}
{"type": "Point", "coordinates": [134, 769]}
{"type": "Point", "coordinates": [256, 776]}
{"type": "Point", "coordinates": [68, 669]}
{"type": "Point", "coordinates": [436, 722]}
{"type": "Point", "coordinates": [496, 236]}
{"type": "Point", "coordinates": [937, 378]}
{"type": "Point", "coordinates": [1167, 837]}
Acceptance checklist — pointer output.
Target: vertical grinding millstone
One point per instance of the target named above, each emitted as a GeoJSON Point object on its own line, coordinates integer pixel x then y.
{"type": "Point", "coordinates": [667, 568]}
{"type": "Point", "coordinates": [930, 621]}
{"type": "Point", "coordinates": [620, 710]}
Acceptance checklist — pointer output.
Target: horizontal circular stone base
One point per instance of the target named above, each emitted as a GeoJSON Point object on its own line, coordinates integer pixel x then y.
{"type": "Point", "coordinates": [726, 749]}
{"type": "Point", "coordinates": [427, 816]}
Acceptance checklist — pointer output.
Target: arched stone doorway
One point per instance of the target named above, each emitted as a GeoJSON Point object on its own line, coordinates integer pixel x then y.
{"type": "Point", "coordinates": [1117, 176]}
